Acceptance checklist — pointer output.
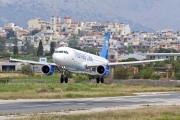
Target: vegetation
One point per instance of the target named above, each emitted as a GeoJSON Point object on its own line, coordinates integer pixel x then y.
{"type": "Point", "coordinates": [73, 41]}
{"type": "Point", "coordinates": [28, 48]}
{"type": "Point", "coordinates": [145, 73]}
{"type": "Point", "coordinates": [177, 75]}
{"type": "Point", "coordinates": [52, 48]}
{"type": "Point", "coordinates": [143, 50]}
{"type": "Point", "coordinates": [163, 50]}
{"type": "Point", "coordinates": [10, 34]}
{"type": "Point", "coordinates": [37, 88]}
{"type": "Point", "coordinates": [15, 50]}
{"type": "Point", "coordinates": [129, 59]}
{"type": "Point", "coordinates": [40, 49]}
{"type": "Point", "coordinates": [92, 50]}
{"type": "Point", "coordinates": [2, 44]}
{"type": "Point", "coordinates": [130, 49]}
{"type": "Point", "coordinates": [34, 32]}
{"type": "Point", "coordinates": [155, 76]}
{"type": "Point", "coordinates": [27, 70]}
{"type": "Point", "coordinates": [146, 113]}
{"type": "Point", "coordinates": [121, 73]}
{"type": "Point", "coordinates": [80, 77]}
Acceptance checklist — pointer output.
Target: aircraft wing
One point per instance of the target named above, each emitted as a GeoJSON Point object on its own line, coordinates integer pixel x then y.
{"type": "Point", "coordinates": [31, 62]}
{"type": "Point", "coordinates": [130, 63]}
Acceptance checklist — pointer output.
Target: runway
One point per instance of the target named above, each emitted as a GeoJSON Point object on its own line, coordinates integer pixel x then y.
{"type": "Point", "coordinates": [45, 105]}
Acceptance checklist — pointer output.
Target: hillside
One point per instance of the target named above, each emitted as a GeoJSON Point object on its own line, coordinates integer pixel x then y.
{"type": "Point", "coordinates": [142, 15]}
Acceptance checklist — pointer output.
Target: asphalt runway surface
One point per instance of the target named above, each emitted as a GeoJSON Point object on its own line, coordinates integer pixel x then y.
{"type": "Point", "coordinates": [50, 105]}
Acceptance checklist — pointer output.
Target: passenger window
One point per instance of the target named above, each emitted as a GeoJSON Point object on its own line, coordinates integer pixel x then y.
{"type": "Point", "coordinates": [56, 52]}
{"type": "Point", "coordinates": [60, 51]}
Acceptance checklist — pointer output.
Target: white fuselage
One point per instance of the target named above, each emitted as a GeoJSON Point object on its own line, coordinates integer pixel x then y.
{"type": "Point", "coordinates": [76, 60]}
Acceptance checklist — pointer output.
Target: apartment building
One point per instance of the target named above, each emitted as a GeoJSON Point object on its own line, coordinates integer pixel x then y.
{"type": "Point", "coordinates": [2, 32]}
{"type": "Point", "coordinates": [37, 24]}
{"type": "Point", "coordinates": [65, 26]}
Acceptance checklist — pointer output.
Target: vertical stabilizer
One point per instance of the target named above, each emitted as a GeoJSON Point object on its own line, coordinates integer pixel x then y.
{"type": "Point", "coordinates": [105, 47]}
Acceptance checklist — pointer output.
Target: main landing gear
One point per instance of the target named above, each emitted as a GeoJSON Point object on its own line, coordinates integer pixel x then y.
{"type": "Point", "coordinates": [64, 77]}
{"type": "Point", "coordinates": [100, 79]}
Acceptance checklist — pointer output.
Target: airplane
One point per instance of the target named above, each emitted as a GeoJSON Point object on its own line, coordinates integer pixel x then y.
{"type": "Point", "coordinates": [73, 60]}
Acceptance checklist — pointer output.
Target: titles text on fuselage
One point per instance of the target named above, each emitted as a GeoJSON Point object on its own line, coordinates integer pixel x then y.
{"type": "Point", "coordinates": [83, 56]}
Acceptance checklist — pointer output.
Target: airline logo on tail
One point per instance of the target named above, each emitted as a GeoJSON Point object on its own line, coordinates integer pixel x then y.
{"type": "Point", "coordinates": [104, 50]}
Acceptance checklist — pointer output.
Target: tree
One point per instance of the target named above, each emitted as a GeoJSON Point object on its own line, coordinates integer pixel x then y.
{"type": "Point", "coordinates": [163, 50]}
{"type": "Point", "coordinates": [35, 32]}
{"type": "Point", "coordinates": [27, 70]}
{"type": "Point", "coordinates": [40, 49]}
{"type": "Point", "coordinates": [52, 48]}
{"type": "Point", "coordinates": [129, 59]}
{"type": "Point", "coordinates": [28, 48]}
{"type": "Point", "coordinates": [121, 73]}
{"type": "Point", "coordinates": [73, 41]}
{"type": "Point", "coordinates": [91, 50]}
{"type": "Point", "coordinates": [143, 50]}
{"type": "Point", "coordinates": [2, 44]}
{"type": "Point", "coordinates": [147, 73]}
{"type": "Point", "coordinates": [15, 50]}
{"type": "Point", "coordinates": [130, 49]}
{"type": "Point", "coordinates": [64, 29]}
{"type": "Point", "coordinates": [77, 48]}
{"type": "Point", "coordinates": [160, 64]}
{"type": "Point", "coordinates": [10, 34]}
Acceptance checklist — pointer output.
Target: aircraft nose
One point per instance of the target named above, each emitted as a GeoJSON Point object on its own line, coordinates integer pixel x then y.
{"type": "Point", "coordinates": [56, 58]}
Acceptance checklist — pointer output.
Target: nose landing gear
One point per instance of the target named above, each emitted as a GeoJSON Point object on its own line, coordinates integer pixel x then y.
{"type": "Point", "coordinates": [64, 77]}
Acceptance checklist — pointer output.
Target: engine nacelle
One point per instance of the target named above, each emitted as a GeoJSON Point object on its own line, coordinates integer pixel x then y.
{"type": "Point", "coordinates": [103, 70]}
{"type": "Point", "coordinates": [47, 69]}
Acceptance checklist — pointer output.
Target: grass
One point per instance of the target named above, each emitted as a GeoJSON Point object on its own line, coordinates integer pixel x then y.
{"type": "Point", "coordinates": [40, 87]}
{"type": "Point", "coordinates": [73, 90]}
{"type": "Point", "coordinates": [147, 113]}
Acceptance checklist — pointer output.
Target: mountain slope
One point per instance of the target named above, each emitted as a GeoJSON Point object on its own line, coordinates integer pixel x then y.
{"type": "Point", "coordinates": [142, 15]}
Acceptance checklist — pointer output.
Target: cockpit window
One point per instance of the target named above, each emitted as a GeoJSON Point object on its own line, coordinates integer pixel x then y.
{"type": "Point", "coordinates": [61, 52]}
{"type": "Point", "coordinates": [65, 52]}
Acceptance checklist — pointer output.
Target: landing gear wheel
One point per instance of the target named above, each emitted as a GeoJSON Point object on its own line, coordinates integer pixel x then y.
{"type": "Point", "coordinates": [102, 80]}
{"type": "Point", "coordinates": [66, 79]}
{"type": "Point", "coordinates": [97, 80]}
{"type": "Point", "coordinates": [62, 79]}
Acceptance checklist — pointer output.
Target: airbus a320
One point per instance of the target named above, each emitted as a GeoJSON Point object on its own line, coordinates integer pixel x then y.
{"type": "Point", "coordinates": [69, 59]}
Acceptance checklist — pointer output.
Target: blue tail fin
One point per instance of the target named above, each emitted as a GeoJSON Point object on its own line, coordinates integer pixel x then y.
{"type": "Point", "coordinates": [104, 50]}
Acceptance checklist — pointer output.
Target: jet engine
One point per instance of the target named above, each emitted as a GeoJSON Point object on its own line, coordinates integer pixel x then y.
{"type": "Point", "coordinates": [47, 69]}
{"type": "Point", "coordinates": [103, 70]}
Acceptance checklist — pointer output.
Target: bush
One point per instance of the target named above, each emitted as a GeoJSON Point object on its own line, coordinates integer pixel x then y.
{"type": "Point", "coordinates": [155, 76]}
{"type": "Point", "coordinates": [80, 77]}
{"type": "Point", "coordinates": [27, 70]}
{"type": "Point", "coordinates": [147, 73]}
{"type": "Point", "coordinates": [177, 75]}
{"type": "Point", "coordinates": [121, 73]}
{"type": "Point", "coordinates": [137, 76]}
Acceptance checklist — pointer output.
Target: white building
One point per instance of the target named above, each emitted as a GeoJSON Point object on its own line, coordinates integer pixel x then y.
{"type": "Point", "coordinates": [37, 24]}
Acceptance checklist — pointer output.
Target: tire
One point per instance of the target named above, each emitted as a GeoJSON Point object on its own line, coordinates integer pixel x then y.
{"type": "Point", "coordinates": [66, 79]}
{"type": "Point", "coordinates": [62, 79]}
{"type": "Point", "coordinates": [97, 80]}
{"type": "Point", "coordinates": [102, 80]}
